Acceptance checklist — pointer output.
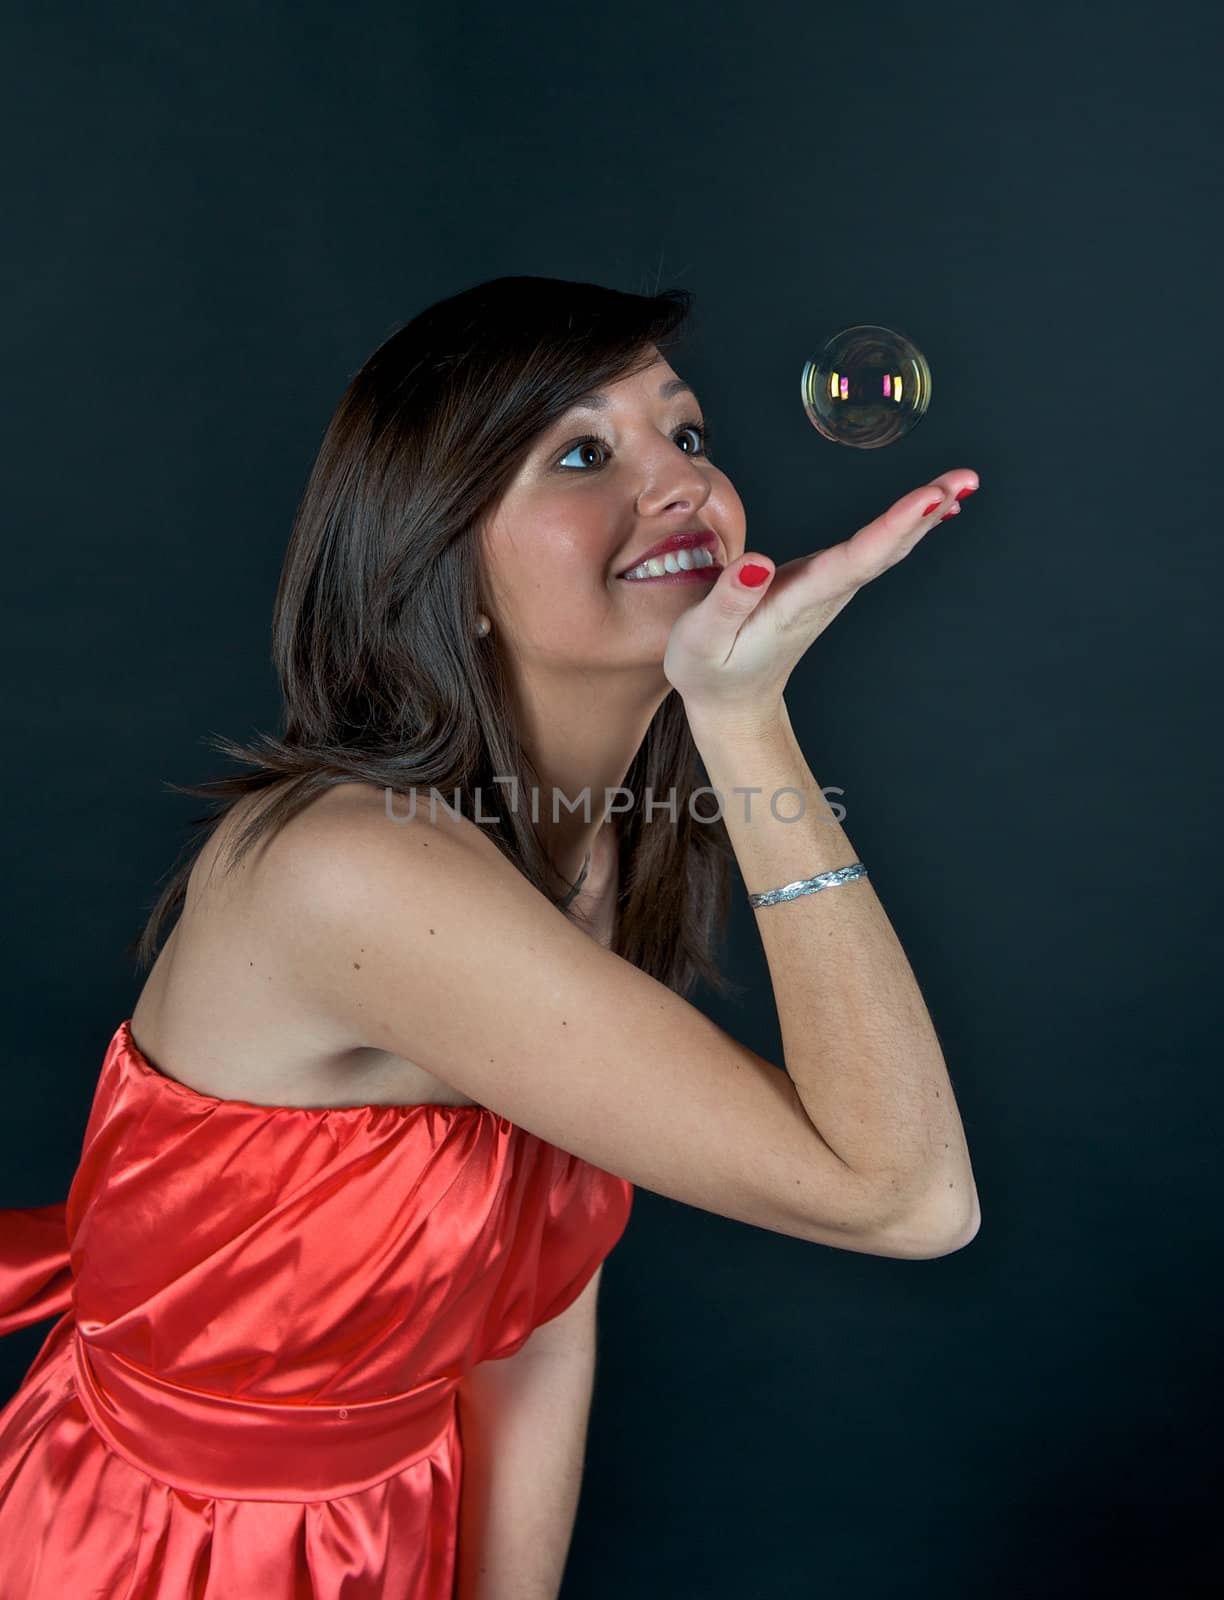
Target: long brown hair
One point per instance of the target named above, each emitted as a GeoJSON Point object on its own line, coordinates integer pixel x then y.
{"type": "Point", "coordinates": [383, 678]}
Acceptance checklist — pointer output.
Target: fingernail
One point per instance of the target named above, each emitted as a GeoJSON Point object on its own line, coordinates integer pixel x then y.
{"type": "Point", "coordinates": [752, 575]}
{"type": "Point", "coordinates": [955, 512]}
{"type": "Point", "coordinates": [964, 492]}
{"type": "Point", "coordinates": [933, 507]}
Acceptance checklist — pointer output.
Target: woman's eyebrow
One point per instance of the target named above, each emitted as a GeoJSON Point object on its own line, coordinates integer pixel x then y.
{"type": "Point", "coordinates": [598, 401]}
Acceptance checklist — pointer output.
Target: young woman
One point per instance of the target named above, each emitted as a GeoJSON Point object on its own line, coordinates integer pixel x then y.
{"type": "Point", "coordinates": [326, 1273]}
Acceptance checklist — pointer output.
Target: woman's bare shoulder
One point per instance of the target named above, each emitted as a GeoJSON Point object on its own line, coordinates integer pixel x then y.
{"type": "Point", "coordinates": [240, 935]}
{"type": "Point", "coordinates": [346, 810]}
{"type": "Point", "coordinates": [373, 805]}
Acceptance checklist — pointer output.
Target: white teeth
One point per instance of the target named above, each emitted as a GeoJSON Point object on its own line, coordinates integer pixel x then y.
{"type": "Point", "coordinates": [673, 561]}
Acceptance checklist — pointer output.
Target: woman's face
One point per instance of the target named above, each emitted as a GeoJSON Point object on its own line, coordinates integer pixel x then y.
{"type": "Point", "coordinates": [599, 488]}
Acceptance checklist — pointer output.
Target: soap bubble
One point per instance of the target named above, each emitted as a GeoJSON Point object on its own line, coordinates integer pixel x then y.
{"type": "Point", "coordinates": [868, 387]}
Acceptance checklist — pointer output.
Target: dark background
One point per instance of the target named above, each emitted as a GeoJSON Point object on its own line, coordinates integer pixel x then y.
{"type": "Point", "coordinates": [212, 215]}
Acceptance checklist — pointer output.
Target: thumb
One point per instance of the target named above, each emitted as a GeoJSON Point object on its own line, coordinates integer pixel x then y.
{"type": "Point", "coordinates": [738, 591]}
{"type": "Point", "coordinates": [709, 630]}
{"type": "Point", "coordinates": [703, 639]}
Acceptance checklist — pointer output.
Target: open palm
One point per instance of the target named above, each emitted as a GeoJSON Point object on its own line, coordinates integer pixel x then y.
{"type": "Point", "coordinates": [739, 646]}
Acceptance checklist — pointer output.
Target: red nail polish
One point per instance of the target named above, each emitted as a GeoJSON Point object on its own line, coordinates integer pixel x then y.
{"type": "Point", "coordinates": [752, 575]}
{"type": "Point", "coordinates": [964, 492]}
{"type": "Point", "coordinates": [930, 508]}
{"type": "Point", "coordinates": [948, 514]}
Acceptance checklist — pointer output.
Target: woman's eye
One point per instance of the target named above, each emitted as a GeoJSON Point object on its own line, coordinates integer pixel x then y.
{"type": "Point", "coordinates": [593, 443]}
{"type": "Point", "coordinates": [583, 444]}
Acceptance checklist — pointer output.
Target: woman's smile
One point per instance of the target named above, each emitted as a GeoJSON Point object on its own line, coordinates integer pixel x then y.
{"type": "Point", "coordinates": [670, 569]}
{"type": "Point", "coordinates": [678, 555]}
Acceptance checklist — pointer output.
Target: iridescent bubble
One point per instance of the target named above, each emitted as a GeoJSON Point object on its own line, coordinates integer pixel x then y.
{"type": "Point", "coordinates": [868, 387]}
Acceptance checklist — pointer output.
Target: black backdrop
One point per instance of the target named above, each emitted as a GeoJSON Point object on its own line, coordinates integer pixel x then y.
{"type": "Point", "coordinates": [213, 214]}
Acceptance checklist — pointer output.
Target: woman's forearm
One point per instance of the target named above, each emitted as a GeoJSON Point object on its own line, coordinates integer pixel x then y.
{"type": "Point", "coordinates": [858, 1042]}
{"type": "Point", "coordinates": [523, 1423]}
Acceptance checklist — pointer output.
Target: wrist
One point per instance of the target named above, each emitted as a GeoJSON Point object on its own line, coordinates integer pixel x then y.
{"type": "Point", "coordinates": [738, 726]}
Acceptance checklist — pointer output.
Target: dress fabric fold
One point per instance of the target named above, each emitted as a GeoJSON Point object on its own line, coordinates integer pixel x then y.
{"type": "Point", "coordinates": [263, 1316]}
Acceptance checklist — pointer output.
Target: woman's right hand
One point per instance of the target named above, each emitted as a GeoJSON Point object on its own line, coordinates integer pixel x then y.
{"type": "Point", "coordinates": [730, 656]}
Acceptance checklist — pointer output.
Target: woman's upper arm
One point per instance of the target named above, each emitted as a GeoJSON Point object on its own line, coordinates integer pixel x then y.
{"type": "Point", "coordinates": [570, 1333]}
{"type": "Point", "coordinates": [430, 945]}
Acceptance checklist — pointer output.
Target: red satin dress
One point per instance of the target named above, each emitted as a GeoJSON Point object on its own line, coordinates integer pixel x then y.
{"type": "Point", "coordinates": [264, 1313]}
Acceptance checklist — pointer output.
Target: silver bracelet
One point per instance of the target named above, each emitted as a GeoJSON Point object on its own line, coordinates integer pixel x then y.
{"type": "Point", "coordinates": [822, 880]}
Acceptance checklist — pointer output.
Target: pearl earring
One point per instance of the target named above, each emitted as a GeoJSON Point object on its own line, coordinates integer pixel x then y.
{"type": "Point", "coordinates": [482, 624]}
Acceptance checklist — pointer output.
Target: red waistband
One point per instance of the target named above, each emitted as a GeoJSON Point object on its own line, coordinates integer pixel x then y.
{"type": "Point", "coordinates": [242, 1449]}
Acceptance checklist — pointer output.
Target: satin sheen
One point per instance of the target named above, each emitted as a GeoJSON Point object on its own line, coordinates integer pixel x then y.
{"type": "Point", "coordinates": [263, 1316]}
